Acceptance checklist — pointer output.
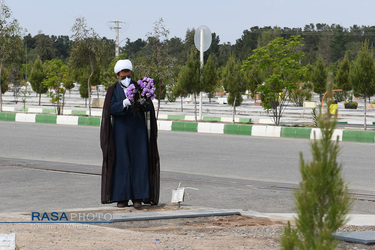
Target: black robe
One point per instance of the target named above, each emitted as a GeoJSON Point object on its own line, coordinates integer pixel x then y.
{"type": "Point", "coordinates": [108, 146]}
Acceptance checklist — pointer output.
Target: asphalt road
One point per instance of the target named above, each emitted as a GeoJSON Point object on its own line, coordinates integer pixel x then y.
{"type": "Point", "coordinates": [242, 172]}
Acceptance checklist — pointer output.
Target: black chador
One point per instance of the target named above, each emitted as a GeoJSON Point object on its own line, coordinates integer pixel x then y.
{"type": "Point", "coordinates": [131, 166]}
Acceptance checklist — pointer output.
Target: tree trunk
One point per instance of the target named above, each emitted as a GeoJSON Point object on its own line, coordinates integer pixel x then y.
{"type": "Point", "coordinates": [234, 109]}
{"type": "Point", "coordinates": [156, 49]}
{"type": "Point", "coordinates": [276, 114]}
{"type": "Point", "coordinates": [40, 97]}
{"type": "Point", "coordinates": [157, 114]}
{"type": "Point", "coordinates": [365, 114]}
{"type": "Point", "coordinates": [88, 84]}
{"type": "Point", "coordinates": [195, 106]}
{"type": "Point", "coordinates": [1, 93]}
{"type": "Point", "coordinates": [63, 103]}
{"type": "Point", "coordinates": [57, 101]}
{"type": "Point", "coordinates": [182, 104]}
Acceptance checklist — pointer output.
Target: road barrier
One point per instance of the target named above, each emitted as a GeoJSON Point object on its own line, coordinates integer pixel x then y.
{"type": "Point", "coordinates": [201, 127]}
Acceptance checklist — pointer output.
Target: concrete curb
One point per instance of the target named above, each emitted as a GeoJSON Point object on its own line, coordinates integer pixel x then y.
{"type": "Point", "coordinates": [98, 113]}
{"type": "Point", "coordinates": [238, 119]}
{"type": "Point", "coordinates": [201, 127]}
{"type": "Point", "coordinates": [51, 119]}
{"type": "Point", "coordinates": [196, 211]}
{"type": "Point", "coordinates": [95, 113]}
{"type": "Point", "coordinates": [265, 131]}
{"type": "Point", "coordinates": [176, 214]}
{"type": "Point", "coordinates": [353, 219]}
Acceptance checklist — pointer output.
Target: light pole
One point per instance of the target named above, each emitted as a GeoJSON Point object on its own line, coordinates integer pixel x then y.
{"type": "Point", "coordinates": [117, 28]}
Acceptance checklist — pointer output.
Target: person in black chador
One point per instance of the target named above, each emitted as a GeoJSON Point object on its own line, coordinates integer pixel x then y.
{"type": "Point", "coordinates": [130, 169]}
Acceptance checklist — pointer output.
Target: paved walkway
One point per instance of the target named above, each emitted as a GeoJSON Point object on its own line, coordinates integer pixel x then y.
{"type": "Point", "coordinates": [251, 120]}
{"type": "Point", "coordinates": [216, 118]}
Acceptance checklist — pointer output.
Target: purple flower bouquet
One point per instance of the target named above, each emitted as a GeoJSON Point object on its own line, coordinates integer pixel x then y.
{"type": "Point", "coordinates": [141, 93]}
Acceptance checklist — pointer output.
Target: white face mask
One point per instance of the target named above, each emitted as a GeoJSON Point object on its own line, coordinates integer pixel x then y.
{"type": "Point", "coordinates": [125, 82]}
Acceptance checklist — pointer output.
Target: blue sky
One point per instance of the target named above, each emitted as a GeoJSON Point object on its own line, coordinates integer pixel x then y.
{"type": "Point", "coordinates": [228, 19]}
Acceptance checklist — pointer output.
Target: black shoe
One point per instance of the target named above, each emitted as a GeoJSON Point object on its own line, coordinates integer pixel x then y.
{"type": "Point", "coordinates": [137, 204]}
{"type": "Point", "coordinates": [122, 204]}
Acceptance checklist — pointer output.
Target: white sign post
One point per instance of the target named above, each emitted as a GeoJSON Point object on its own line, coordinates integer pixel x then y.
{"type": "Point", "coordinates": [202, 41]}
{"type": "Point", "coordinates": [178, 196]}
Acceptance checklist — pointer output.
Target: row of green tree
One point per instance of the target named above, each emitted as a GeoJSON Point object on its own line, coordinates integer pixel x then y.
{"type": "Point", "coordinates": [331, 42]}
{"type": "Point", "coordinates": [87, 55]}
{"type": "Point", "coordinates": [276, 72]}
{"type": "Point", "coordinates": [88, 59]}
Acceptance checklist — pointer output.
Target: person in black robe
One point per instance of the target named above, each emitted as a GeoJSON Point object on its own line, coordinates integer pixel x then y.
{"type": "Point", "coordinates": [131, 166]}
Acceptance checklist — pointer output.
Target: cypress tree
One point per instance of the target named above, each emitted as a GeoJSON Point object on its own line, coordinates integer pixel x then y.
{"type": "Point", "coordinates": [322, 200]}
{"type": "Point", "coordinates": [37, 77]}
{"type": "Point", "coordinates": [233, 82]}
{"type": "Point", "coordinates": [362, 75]}
{"type": "Point", "coordinates": [209, 77]}
{"type": "Point", "coordinates": [342, 77]}
{"type": "Point", "coordinates": [319, 77]}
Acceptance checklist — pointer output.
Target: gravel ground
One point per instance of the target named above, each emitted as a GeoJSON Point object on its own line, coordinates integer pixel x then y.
{"type": "Point", "coordinates": [221, 232]}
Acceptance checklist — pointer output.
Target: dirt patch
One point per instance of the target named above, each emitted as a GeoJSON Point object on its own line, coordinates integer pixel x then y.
{"type": "Point", "coordinates": [240, 221]}
{"type": "Point", "coordinates": [193, 233]}
{"type": "Point", "coordinates": [228, 232]}
{"type": "Point", "coordinates": [203, 224]}
{"type": "Point", "coordinates": [70, 236]}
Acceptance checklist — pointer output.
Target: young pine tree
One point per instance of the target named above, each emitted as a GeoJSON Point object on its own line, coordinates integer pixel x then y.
{"type": "Point", "coordinates": [319, 77]}
{"type": "Point", "coordinates": [362, 76]}
{"type": "Point", "coordinates": [342, 80]}
{"type": "Point", "coordinates": [234, 83]}
{"type": "Point", "coordinates": [322, 200]}
{"type": "Point", "coordinates": [37, 77]}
